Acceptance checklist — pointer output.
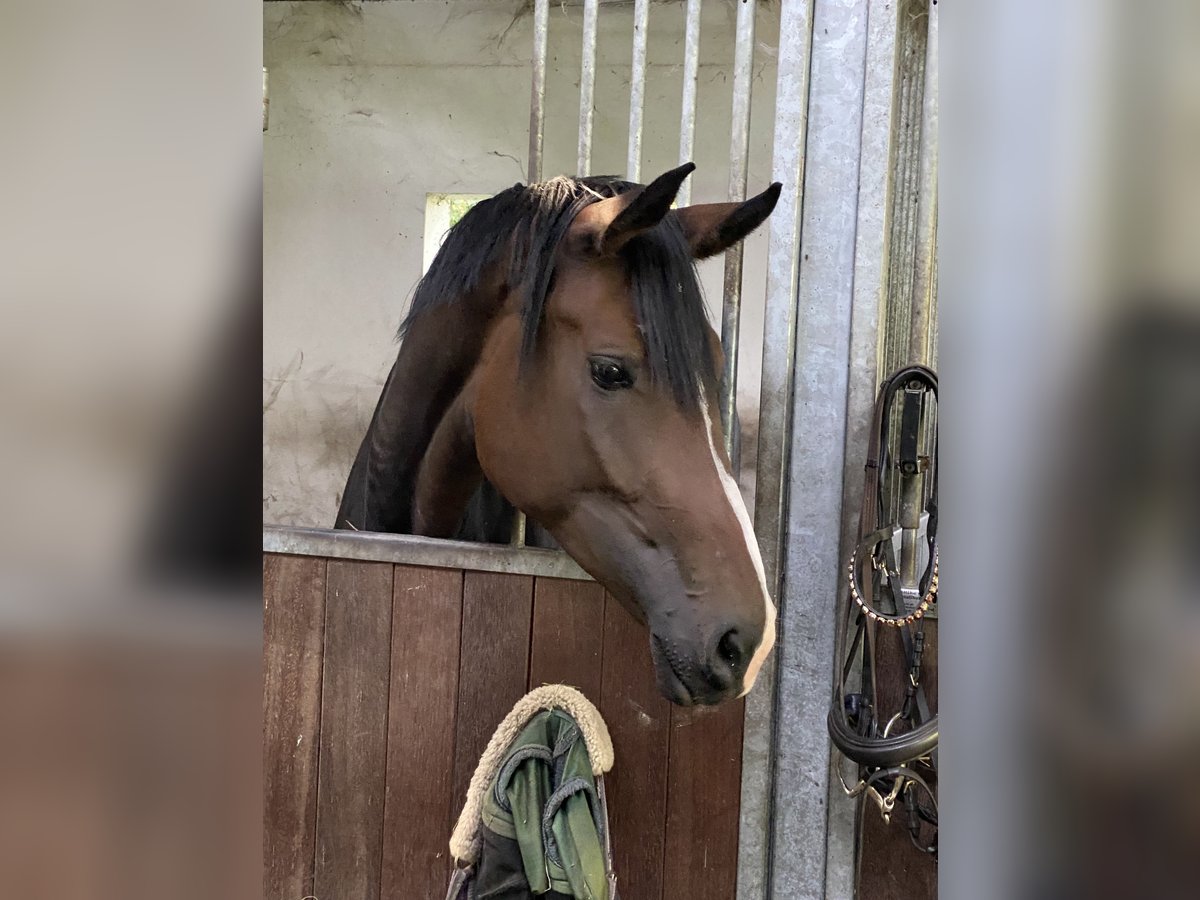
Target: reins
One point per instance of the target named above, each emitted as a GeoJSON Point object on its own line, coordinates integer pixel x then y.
{"type": "Point", "coordinates": [895, 751]}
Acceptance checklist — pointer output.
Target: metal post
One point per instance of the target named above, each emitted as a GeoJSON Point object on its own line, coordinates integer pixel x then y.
{"type": "Point", "coordinates": [911, 38]}
{"type": "Point", "coordinates": [537, 132]}
{"type": "Point", "coordinates": [739, 150]}
{"type": "Point", "coordinates": [537, 99]}
{"type": "Point", "coordinates": [587, 86]}
{"type": "Point", "coordinates": [774, 430]}
{"type": "Point", "coordinates": [870, 278]}
{"type": "Point", "coordinates": [925, 253]}
{"type": "Point", "coordinates": [691, 69]}
{"type": "Point", "coordinates": [637, 90]}
{"type": "Point", "coordinates": [816, 468]}
{"type": "Point", "coordinates": [518, 529]}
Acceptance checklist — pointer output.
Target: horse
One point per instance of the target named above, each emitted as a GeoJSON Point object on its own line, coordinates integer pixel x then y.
{"type": "Point", "coordinates": [557, 358]}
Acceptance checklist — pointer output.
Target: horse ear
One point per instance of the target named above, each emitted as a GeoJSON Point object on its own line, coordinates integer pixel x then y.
{"type": "Point", "coordinates": [604, 227]}
{"type": "Point", "coordinates": [713, 227]}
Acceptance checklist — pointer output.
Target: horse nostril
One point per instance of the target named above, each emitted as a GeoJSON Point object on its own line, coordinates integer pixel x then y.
{"type": "Point", "coordinates": [729, 648]}
{"type": "Point", "coordinates": [727, 661]}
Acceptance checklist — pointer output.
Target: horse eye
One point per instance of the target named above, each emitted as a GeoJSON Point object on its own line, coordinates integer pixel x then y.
{"type": "Point", "coordinates": [610, 375]}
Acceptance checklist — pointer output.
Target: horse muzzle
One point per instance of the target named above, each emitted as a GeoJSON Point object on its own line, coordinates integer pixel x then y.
{"type": "Point", "coordinates": [702, 674]}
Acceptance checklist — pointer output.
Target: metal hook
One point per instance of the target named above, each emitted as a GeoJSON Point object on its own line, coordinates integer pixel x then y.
{"type": "Point", "coordinates": [888, 803]}
{"type": "Point", "coordinates": [849, 791]}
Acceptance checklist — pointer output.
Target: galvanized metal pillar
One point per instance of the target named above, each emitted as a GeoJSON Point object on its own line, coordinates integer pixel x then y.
{"type": "Point", "coordinates": [924, 299]}
{"type": "Point", "coordinates": [909, 312]}
{"type": "Point", "coordinates": [870, 278]}
{"type": "Point", "coordinates": [825, 293]}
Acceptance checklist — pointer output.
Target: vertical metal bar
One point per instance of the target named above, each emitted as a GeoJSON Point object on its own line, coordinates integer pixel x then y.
{"type": "Point", "coordinates": [911, 50]}
{"type": "Point", "coordinates": [739, 149]}
{"type": "Point", "coordinates": [691, 69]}
{"type": "Point", "coordinates": [518, 530]}
{"type": "Point", "coordinates": [774, 430]}
{"type": "Point", "coordinates": [871, 240]}
{"type": "Point", "coordinates": [925, 254]}
{"type": "Point", "coordinates": [637, 90]}
{"type": "Point", "coordinates": [587, 86]}
{"type": "Point", "coordinates": [537, 132]}
{"type": "Point", "coordinates": [537, 98]}
{"type": "Point", "coordinates": [816, 469]}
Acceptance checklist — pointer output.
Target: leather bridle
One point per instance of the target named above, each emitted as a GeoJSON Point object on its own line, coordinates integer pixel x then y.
{"type": "Point", "coordinates": [895, 752]}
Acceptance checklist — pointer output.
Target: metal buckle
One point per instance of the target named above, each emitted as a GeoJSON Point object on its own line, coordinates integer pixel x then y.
{"type": "Point", "coordinates": [850, 791]}
{"type": "Point", "coordinates": [888, 803]}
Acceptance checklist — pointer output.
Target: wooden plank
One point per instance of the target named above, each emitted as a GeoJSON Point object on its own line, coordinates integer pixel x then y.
{"type": "Point", "coordinates": [568, 635]}
{"type": "Point", "coordinates": [890, 867]}
{"type": "Point", "coordinates": [704, 787]}
{"type": "Point", "coordinates": [354, 710]}
{"type": "Point", "coordinates": [638, 719]}
{"type": "Point", "coordinates": [426, 628]}
{"type": "Point", "coordinates": [493, 665]}
{"type": "Point", "coordinates": [293, 634]}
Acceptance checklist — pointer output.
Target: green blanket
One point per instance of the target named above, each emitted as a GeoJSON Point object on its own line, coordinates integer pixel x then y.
{"type": "Point", "coordinates": [543, 807]}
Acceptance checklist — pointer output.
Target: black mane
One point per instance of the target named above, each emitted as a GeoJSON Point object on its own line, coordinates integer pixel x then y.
{"type": "Point", "coordinates": [520, 229]}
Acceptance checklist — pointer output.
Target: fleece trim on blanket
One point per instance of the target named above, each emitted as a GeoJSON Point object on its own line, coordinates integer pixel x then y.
{"type": "Point", "coordinates": [465, 842]}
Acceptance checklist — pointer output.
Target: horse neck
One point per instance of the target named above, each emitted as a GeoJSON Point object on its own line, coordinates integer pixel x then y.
{"type": "Point", "coordinates": [438, 354]}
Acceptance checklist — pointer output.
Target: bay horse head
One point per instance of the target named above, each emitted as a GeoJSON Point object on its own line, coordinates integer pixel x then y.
{"type": "Point", "coordinates": [559, 349]}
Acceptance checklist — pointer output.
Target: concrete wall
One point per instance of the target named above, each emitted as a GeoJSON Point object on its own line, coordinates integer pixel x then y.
{"type": "Point", "coordinates": [374, 105]}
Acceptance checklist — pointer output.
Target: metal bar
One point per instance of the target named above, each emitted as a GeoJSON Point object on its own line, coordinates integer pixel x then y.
{"type": "Point", "coordinates": [587, 86]}
{"type": "Point", "coordinates": [637, 90]}
{"type": "Point", "coordinates": [925, 254]}
{"type": "Point", "coordinates": [870, 278]}
{"type": "Point", "coordinates": [774, 430]}
{"type": "Point", "coordinates": [911, 40]}
{"type": "Point", "coordinates": [518, 530]}
{"type": "Point", "coordinates": [537, 94]}
{"type": "Point", "coordinates": [816, 468]}
{"type": "Point", "coordinates": [908, 158]}
{"type": "Point", "coordinates": [537, 135]}
{"type": "Point", "coordinates": [691, 70]}
{"type": "Point", "coordinates": [739, 150]}
{"type": "Point", "coordinates": [408, 549]}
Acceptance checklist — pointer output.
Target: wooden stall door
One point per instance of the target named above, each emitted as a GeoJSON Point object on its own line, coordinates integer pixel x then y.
{"type": "Point", "coordinates": [383, 685]}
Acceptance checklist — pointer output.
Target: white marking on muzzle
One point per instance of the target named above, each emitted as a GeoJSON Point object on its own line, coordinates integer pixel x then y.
{"type": "Point", "coordinates": [734, 496]}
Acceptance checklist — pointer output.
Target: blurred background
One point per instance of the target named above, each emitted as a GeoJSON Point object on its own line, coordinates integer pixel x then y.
{"type": "Point", "coordinates": [130, 297]}
{"type": "Point", "coordinates": [130, 325]}
{"type": "Point", "coordinates": [1071, 406]}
